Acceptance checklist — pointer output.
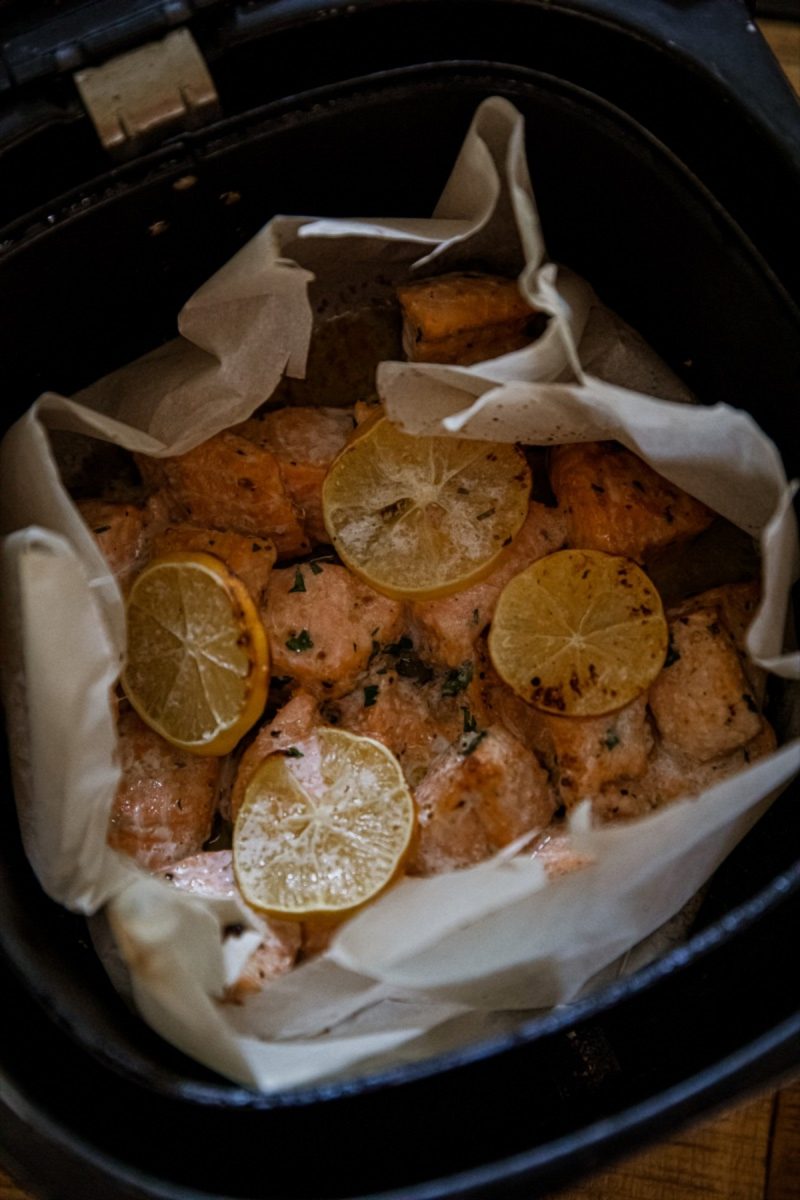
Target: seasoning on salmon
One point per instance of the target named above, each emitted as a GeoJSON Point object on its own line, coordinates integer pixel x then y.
{"type": "Point", "coordinates": [305, 442]}
{"type": "Point", "coordinates": [232, 484]}
{"type": "Point", "coordinates": [615, 502]}
{"type": "Point", "coordinates": [482, 793]}
{"type": "Point", "coordinates": [164, 806]}
{"type": "Point", "coordinates": [465, 318]}
{"type": "Point", "coordinates": [210, 874]}
{"type": "Point", "coordinates": [322, 625]}
{"type": "Point", "coordinates": [249, 557]}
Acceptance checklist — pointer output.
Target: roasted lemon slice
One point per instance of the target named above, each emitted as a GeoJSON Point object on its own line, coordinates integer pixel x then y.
{"type": "Point", "coordinates": [324, 826]}
{"type": "Point", "coordinates": [197, 662]}
{"type": "Point", "coordinates": [579, 633]}
{"type": "Point", "coordinates": [419, 517]}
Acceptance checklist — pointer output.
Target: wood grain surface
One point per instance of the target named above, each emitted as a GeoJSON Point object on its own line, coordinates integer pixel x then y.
{"type": "Point", "coordinates": [750, 1152]}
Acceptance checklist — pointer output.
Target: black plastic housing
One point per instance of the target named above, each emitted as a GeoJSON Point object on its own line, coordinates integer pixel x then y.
{"type": "Point", "coordinates": [665, 153]}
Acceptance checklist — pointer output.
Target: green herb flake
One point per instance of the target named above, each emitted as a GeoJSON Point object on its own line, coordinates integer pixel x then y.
{"type": "Point", "coordinates": [299, 584]}
{"type": "Point", "coordinates": [457, 679]}
{"type": "Point", "coordinates": [299, 642]}
{"type": "Point", "coordinates": [610, 740]}
{"type": "Point", "coordinates": [370, 694]}
{"type": "Point", "coordinates": [470, 724]}
{"type": "Point", "coordinates": [484, 515]}
{"type": "Point", "coordinates": [293, 752]}
{"type": "Point", "coordinates": [473, 743]}
{"type": "Point", "coordinates": [476, 616]}
{"type": "Point", "coordinates": [315, 563]}
{"type": "Point", "coordinates": [101, 529]}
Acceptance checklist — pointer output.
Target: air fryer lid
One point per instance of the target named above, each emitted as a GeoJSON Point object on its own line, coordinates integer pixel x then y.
{"type": "Point", "coordinates": [478, 1094]}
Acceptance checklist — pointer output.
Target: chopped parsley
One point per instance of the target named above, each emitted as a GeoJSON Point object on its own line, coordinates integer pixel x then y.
{"type": "Point", "coordinates": [470, 724]}
{"type": "Point", "coordinates": [483, 516]}
{"type": "Point", "coordinates": [101, 528]}
{"type": "Point", "coordinates": [299, 584]}
{"type": "Point", "coordinates": [457, 679]}
{"type": "Point", "coordinates": [476, 616]}
{"type": "Point", "coordinates": [314, 564]}
{"type": "Point", "coordinates": [293, 752]}
{"type": "Point", "coordinates": [370, 694]}
{"type": "Point", "coordinates": [299, 641]}
{"type": "Point", "coordinates": [610, 740]}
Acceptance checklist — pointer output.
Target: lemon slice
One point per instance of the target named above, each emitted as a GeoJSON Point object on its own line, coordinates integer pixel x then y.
{"type": "Point", "coordinates": [579, 633]}
{"type": "Point", "coordinates": [420, 517]}
{"type": "Point", "coordinates": [324, 827]}
{"type": "Point", "coordinates": [198, 660]}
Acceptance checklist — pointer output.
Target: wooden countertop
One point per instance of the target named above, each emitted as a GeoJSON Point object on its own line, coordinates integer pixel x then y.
{"type": "Point", "coordinates": [751, 1151]}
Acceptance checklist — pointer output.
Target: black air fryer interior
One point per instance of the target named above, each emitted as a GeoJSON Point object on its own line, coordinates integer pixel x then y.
{"type": "Point", "coordinates": [97, 262]}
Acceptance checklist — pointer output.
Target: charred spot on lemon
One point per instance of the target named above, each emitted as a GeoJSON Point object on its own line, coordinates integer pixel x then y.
{"type": "Point", "coordinates": [197, 661]}
{"type": "Point", "coordinates": [324, 830]}
{"type": "Point", "coordinates": [421, 517]}
{"type": "Point", "coordinates": [579, 633]}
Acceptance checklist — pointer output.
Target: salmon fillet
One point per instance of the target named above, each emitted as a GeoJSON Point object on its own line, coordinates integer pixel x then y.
{"type": "Point", "coordinates": [465, 318]}
{"type": "Point", "coordinates": [590, 752]}
{"type": "Point", "coordinates": [615, 502]}
{"type": "Point", "coordinates": [120, 531]}
{"type": "Point", "coordinates": [165, 802]}
{"type": "Point", "coordinates": [701, 701]}
{"type": "Point", "coordinates": [478, 796]}
{"type": "Point", "coordinates": [672, 775]}
{"type": "Point", "coordinates": [305, 442]}
{"type": "Point", "coordinates": [249, 557]}
{"type": "Point", "coordinates": [414, 719]}
{"type": "Point", "coordinates": [737, 604]}
{"type": "Point", "coordinates": [322, 625]}
{"type": "Point", "coordinates": [230, 483]}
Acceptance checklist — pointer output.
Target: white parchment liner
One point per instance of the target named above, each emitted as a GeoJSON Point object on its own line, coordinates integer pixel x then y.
{"type": "Point", "coordinates": [454, 952]}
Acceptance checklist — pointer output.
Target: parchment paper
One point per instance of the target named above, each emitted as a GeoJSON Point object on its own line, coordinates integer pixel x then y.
{"type": "Point", "coordinates": [435, 959]}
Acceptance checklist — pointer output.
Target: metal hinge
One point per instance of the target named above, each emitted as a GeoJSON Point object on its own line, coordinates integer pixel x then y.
{"type": "Point", "coordinates": [139, 98]}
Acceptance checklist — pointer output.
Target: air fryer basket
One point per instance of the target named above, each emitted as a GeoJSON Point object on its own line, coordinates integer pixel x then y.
{"type": "Point", "coordinates": [97, 1104]}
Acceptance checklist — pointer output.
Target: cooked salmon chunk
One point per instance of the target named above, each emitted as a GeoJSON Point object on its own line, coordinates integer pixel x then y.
{"type": "Point", "coordinates": [249, 557]}
{"type": "Point", "coordinates": [211, 874]}
{"type": "Point", "coordinates": [120, 531]}
{"type": "Point", "coordinates": [230, 483]}
{"type": "Point", "coordinates": [615, 502]}
{"type": "Point", "coordinates": [701, 701]}
{"type": "Point", "coordinates": [464, 318]}
{"type": "Point", "coordinates": [446, 630]}
{"type": "Point", "coordinates": [737, 603]}
{"type": "Point", "coordinates": [165, 802]}
{"type": "Point", "coordinates": [478, 796]}
{"type": "Point", "coordinates": [414, 719]}
{"type": "Point", "coordinates": [591, 752]}
{"type": "Point", "coordinates": [290, 724]}
{"type": "Point", "coordinates": [672, 775]}
{"type": "Point", "coordinates": [323, 625]}
{"type": "Point", "coordinates": [305, 442]}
